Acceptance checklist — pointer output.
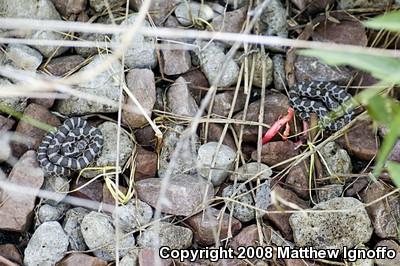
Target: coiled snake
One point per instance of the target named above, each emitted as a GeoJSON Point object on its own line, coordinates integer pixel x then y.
{"type": "Point", "coordinates": [321, 98]}
{"type": "Point", "coordinates": [72, 147]}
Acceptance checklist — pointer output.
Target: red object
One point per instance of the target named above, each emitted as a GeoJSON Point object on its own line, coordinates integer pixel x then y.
{"type": "Point", "coordinates": [272, 131]}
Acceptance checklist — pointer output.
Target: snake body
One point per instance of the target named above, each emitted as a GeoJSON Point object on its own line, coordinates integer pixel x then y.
{"type": "Point", "coordinates": [322, 98]}
{"type": "Point", "coordinates": [72, 147]}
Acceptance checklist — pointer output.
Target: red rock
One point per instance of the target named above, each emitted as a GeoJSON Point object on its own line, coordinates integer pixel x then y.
{"type": "Point", "coordinates": [68, 7]}
{"type": "Point", "coordinates": [108, 197]}
{"type": "Point", "coordinates": [6, 262]}
{"type": "Point", "coordinates": [150, 257]}
{"type": "Point", "coordinates": [214, 134]}
{"type": "Point", "coordinates": [62, 65]}
{"type": "Point", "coordinates": [300, 262]}
{"type": "Point", "coordinates": [159, 9]}
{"type": "Point", "coordinates": [311, 6]}
{"type": "Point", "coordinates": [10, 252]}
{"type": "Point", "coordinates": [389, 244]}
{"type": "Point", "coordinates": [76, 259]}
{"type": "Point", "coordinates": [45, 102]}
{"type": "Point", "coordinates": [6, 123]}
{"type": "Point", "coordinates": [91, 191]}
{"type": "Point", "coordinates": [276, 152]}
{"type": "Point", "coordinates": [230, 21]}
{"type": "Point", "coordinates": [197, 83]}
{"type": "Point", "coordinates": [180, 100]}
{"type": "Point", "coordinates": [297, 179]}
{"type": "Point", "coordinates": [145, 137]}
{"type": "Point", "coordinates": [16, 210]}
{"type": "Point", "coordinates": [205, 224]}
{"type": "Point", "coordinates": [223, 102]}
{"type": "Point", "coordinates": [32, 134]}
{"type": "Point", "coordinates": [146, 164]}
{"type": "Point", "coordinates": [175, 62]}
{"type": "Point", "coordinates": [247, 237]}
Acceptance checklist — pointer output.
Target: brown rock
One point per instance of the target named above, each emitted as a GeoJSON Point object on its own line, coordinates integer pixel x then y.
{"type": "Point", "coordinates": [197, 83]}
{"type": "Point", "coordinates": [180, 101]}
{"type": "Point", "coordinates": [390, 244]}
{"type": "Point", "coordinates": [6, 262]}
{"type": "Point", "coordinates": [145, 137]}
{"type": "Point", "coordinates": [230, 21]}
{"type": "Point", "coordinates": [281, 219]}
{"type": "Point", "coordinates": [395, 153]}
{"type": "Point", "coordinates": [6, 123]}
{"type": "Point", "coordinates": [214, 134]}
{"type": "Point", "coordinates": [385, 214]}
{"type": "Point", "coordinates": [223, 102]}
{"type": "Point", "coordinates": [310, 68]}
{"type": "Point", "coordinates": [297, 179]}
{"type": "Point", "coordinates": [247, 237]}
{"type": "Point", "coordinates": [185, 193]}
{"type": "Point", "coordinates": [159, 9]}
{"type": "Point", "coordinates": [10, 252]}
{"type": "Point", "coordinates": [33, 134]}
{"type": "Point", "coordinates": [204, 229]}
{"type": "Point", "coordinates": [62, 65]}
{"type": "Point", "coordinates": [86, 190]}
{"type": "Point", "coordinates": [356, 187]}
{"type": "Point", "coordinates": [81, 259]}
{"type": "Point", "coordinates": [276, 105]}
{"type": "Point", "coordinates": [175, 62]}
{"type": "Point", "coordinates": [313, 7]}
{"type": "Point", "coordinates": [45, 102]}
{"type": "Point", "coordinates": [276, 152]}
{"type": "Point", "coordinates": [16, 208]}
{"type": "Point", "coordinates": [142, 85]}
{"type": "Point", "coordinates": [68, 7]}
{"type": "Point", "coordinates": [146, 164]}
{"type": "Point", "coordinates": [300, 262]}
{"type": "Point", "coordinates": [108, 197]}
{"type": "Point", "coordinates": [360, 141]}
{"type": "Point", "coordinates": [147, 257]}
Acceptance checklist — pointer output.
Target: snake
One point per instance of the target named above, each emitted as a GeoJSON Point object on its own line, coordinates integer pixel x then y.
{"type": "Point", "coordinates": [71, 147]}
{"type": "Point", "coordinates": [331, 103]}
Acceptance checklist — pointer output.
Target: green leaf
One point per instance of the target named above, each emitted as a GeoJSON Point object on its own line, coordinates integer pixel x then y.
{"type": "Point", "coordinates": [389, 21]}
{"type": "Point", "coordinates": [382, 67]}
{"type": "Point", "coordinates": [382, 109]}
{"type": "Point", "coordinates": [394, 171]}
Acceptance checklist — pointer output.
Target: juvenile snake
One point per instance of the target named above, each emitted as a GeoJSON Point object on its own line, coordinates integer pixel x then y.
{"type": "Point", "coordinates": [72, 147]}
{"type": "Point", "coordinates": [321, 98]}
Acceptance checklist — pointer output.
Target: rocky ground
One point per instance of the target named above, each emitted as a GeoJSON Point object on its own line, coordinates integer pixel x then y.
{"type": "Point", "coordinates": [189, 189]}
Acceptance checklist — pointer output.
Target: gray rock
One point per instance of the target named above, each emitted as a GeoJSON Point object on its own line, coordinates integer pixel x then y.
{"type": "Point", "coordinates": [100, 5]}
{"type": "Point", "coordinates": [49, 51]}
{"type": "Point", "coordinates": [252, 171]}
{"type": "Point", "coordinates": [261, 59]}
{"type": "Point", "coordinates": [68, 7]}
{"type": "Point", "coordinates": [240, 212]}
{"type": "Point", "coordinates": [348, 4]}
{"type": "Point", "coordinates": [180, 101]}
{"type": "Point", "coordinates": [15, 103]}
{"type": "Point", "coordinates": [389, 244]}
{"type": "Point", "coordinates": [141, 52]}
{"type": "Point", "coordinates": [332, 230]}
{"type": "Point", "coordinates": [105, 84]}
{"type": "Point", "coordinates": [132, 215]}
{"type": "Point", "coordinates": [23, 56]}
{"type": "Point", "coordinates": [280, 82]}
{"type": "Point", "coordinates": [364, 261]}
{"type": "Point", "coordinates": [47, 212]}
{"type": "Point", "coordinates": [223, 162]}
{"type": "Point", "coordinates": [173, 236]}
{"type": "Point", "coordinates": [131, 259]}
{"type": "Point", "coordinates": [47, 245]}
{"type": "Point", "coordinates": [189, 13]}
{"type": "Point", "coordinates": [212, 57]}
{"type": "Point", "coordinates": [337, 160]}
{"type": "Point", "coordinates": [101, 39]}
{"type": "Point", "coordinates": [72, 227]}
{"type": "Point", "coordinates": [236, 3]}
{"type": "Point", "coordinates": [175, 62]}
{"type": "Point", "coordinates": [186, 158]}
{"type": "Point", "coordinates": [57, 184]}
{"type": "Point", "coordinates": [231, 21]}
{"type": "Point", "coordinates": [223, 102]}
{"type": "Point", "coordinates": [99, 234]}
{"type": "Point", "coordinates": [263, 196]}
{"type": "Point", "coordinates": [273, 19]}
{"type": "Point", "coordinates": [108, 155]}
{"type": "Point", "coordinates": [329, 192]}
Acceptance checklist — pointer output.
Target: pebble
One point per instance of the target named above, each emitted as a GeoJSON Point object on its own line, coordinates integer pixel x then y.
{"type": "Point", "coordinates": [17, 209]}
{"type": "Point", "coordinates": [197, 83]}
{"type": "Point", "coordinates": [69, 7]}
{"type": "Point", "coordinates": [100, 5]}
{"type": "Point", "coordinates": [395, 153]}
{"type": "Point", "coordinates": [349, 4]}
{"type": "Point", "coordinates": [108, 155]}
{"type": "Point", "coordinates": [47, 246]}
{"type": "Point", "coordinates": [11, 253]}
{"type": "Point", "coordinates": [273, 19]}
{"type": "Point", "coordinates": [224, 160]}
{"type": "Point", "coordinates": [247, 237]}
{"type": "Point", "coordinates": [337, 161]}
{"type": "Point", "coordinates": [231, 21]}
{"type": "Point", "coordinates": [49, 51]}
{"type": "Point", "coordinates": [239, 211]}
{"type": "Point", "coordinates": [184, 193]}
{"type": "Point", "coordinates": [250, 170]}
{"type": "Point", "coordinates": [279, 73]}
{"type": "Point", "coordinates": [329, 192]}
{"type": "Point", "coordinates": [206, 224]}
{"type": "Point", "coordinates": [23, 57]}
{"type": "Point", "coordinates": [100, 39]}
{"type": "Point", "coordinates": [159, 9]}
{"type": "Point", "coordinates": [132, 215]}
{"type": "Point", "coordinates": [105, 84]}
{"type": "Point", "coordinates": [149, 256]}
{"type": "Point", "coordinates": [385, 214]}
{"type": "Point", "coordinates": [212, 57]}
{"type": "Point", "coordinates": [313, 7]}
{"type": "Point", "coordinates": [57, 184]}
{"type": "Point", "coordinates": [389, 244]}
{"type": "Point", "coordinates": [273, 153]}
{"type": "Point", "coordinates": [223, 102]}
{"type": "Point", "coordinates": [235, 4]}
{"type": "Point", "coordinates": [185, 160]}
{"type": "Point", "coordinates": [146, 164]}
{"type": "Point", "coordinates": [47, 212]}
{"type": "Point", "coordinates": [193, 13]}
{"type": "Point", "coordinates": [75, 259]}
{"type": "Point", "coordinates": [297, 179]}
{"type": "Point", "coordinates": [260, 59]}
{"type": "Point", "coordinates": [141, 84]}
{"type": "Point", "coordinates": [83, 189]}
{"type": "Point", "coordinates": [166, 234]}
{"type": "Point", "coordinates": [99, 234]}
{"type": "Point", "coordinates": [130, 259]}
{"type": "Point", "coordinates": [329, 230]}
{"type": "Point", "coordinates": [180, 101]}
{"type": "Point", "coordinates": [175, 62]}
{"type": "Point", "coordinates": [141, 53]}
{"type": "Point", "coordinates": [215, 133]}
{"type": "Point", "coordinates": [15, 103]}
{"type": "Point", "coordinates": [72, 227]}
{"type": "Point", "coordinates": [5, 138]}
{"type": "Point", "coordinates": [60, 66]}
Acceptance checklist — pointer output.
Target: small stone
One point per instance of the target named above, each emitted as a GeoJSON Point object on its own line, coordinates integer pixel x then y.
{"type": "Point", "coordinates": [132, 215]}
{"type": "Point", "coordinates": [57, 184]}
{"type": "Point", "coordinates": [191, 13]}
{"type": "Point", "coordinates": [197, 83]}
{"type": "Point", "coordinates": [297, 179]}
{"type": "Point", "coordinates": [108, 198]}
{"type": "Point", "coordinates": [15, 103]}
{"type": "Point", "coordinates": [184, 193]}
{"type": "Point", "coordinates": [72, 227]}
{"type": "Point", "coordinates": [385, 214]}
{"type": "Point", "coordinates": [349, 4]}
{"type": "Point", "coordinates": [395, 153]}
{"type": "Point", "coordinates": [356, 187]}
{"type": "Point", "coordinates": [146, 164]}
{"type": "Point", "coordinates": [230, 21]}
{"type": "Point", "coordinates": [247, 237]}
{"type": "Point", "coordinates": [224, 158]}
{"type": "Point", "coordinates": [329, 192]}
{"type": "Point", "coordinates": [252, 171]}
{"type": "Point", "coordinates": [100, 39]}
{"type": "Point", "coordinates": [106, 84]}
{"type": "Point", "coordinates": [10, 252]}
{"type": "Point", "coordinates": [149, 256]}
{"type": "Point", "coordinates": [45, 102]}
{"type": "Point", "coordinates": [100, 5]}
{"type": "Point", "coordinates": [273, 153]}
{"type": "Point", "coordinates": [215, 134]}
{"type": "Point", "coordinates": [313, 7]}
{"type": "Point", "coordinates": [145, 137]}
{"type": "Point", "coordinates": [60, 66]}
{"type": "Point", "coordinates": [166, 234]}
{"type": "Point", "coordinates": [23, 57]}
{"type": "Point", "coordinates": [91, 190]}
{"type": "Point", "coordinates": [223, 102]}
{"type": "Point", "coordinates": [68, 7]}
{"type": "Point", "coordinates": [47, 245]}
{"type": "Point", "coordinates": [338, 162]}
{"type": "Point", "coordinates": [360, 141]}
{"type": "Point", "coordinates": [141, 84]}
{"type": "Point", "coordinates": [47, 212]}
{"type": "Point", "coordinates": [273, 19]}
{"type": "Point", "coordinates": [212, 58]}
{"type": "Point", "coordinates": [260, 60]}
{"type": "Point", "coordinates": [180, 101]}
{"type": "Point", "coordinates": [240, 211]}
{"type": "Point", "coordinates": [99, 234]}
{"type": "Point", "coordinates": [206, 223]}
{"type": "Point", "coordinates": [131, 259]}
{"type": "Point", "coordinates": [389, 244]}
{"type": "Point", "coordinates": [235, 4]}
{"type": "Point", "coordinates": [175, 62]}
{"type": "Point", "coordinates": [332, 230]}
{"type": "Point", "coordinates": [159, 9]}
{"type": "Point", "coordinates": [75, 259]}
{"type": "Point", "coordinates": [17, 209]}
{"type": "Point", "coordinates": [49, 51]}
{"type": "Point", "coordinates": [141, 52]}
{"type": "Point", "coordinates": [279, 74]}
